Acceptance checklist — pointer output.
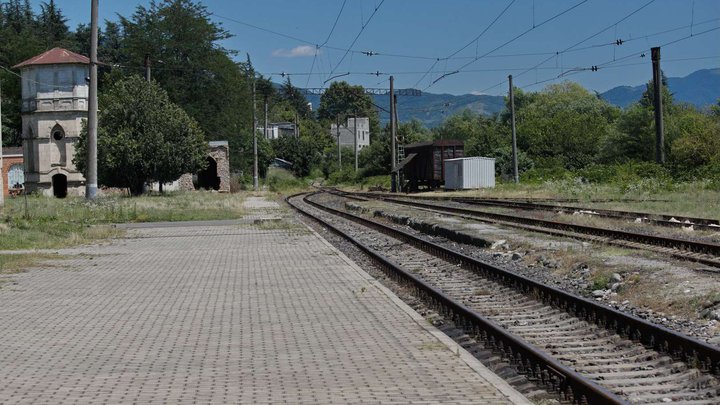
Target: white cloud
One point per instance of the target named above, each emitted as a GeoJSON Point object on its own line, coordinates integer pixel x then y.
{"type": "Point", "coordinates": [477, 93]}
{"type": "Point", "coordinates": [298, 51]}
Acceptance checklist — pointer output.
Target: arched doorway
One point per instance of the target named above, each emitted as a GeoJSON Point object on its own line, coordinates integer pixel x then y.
{"type": "Point", "coordinates": [208, 178]}
{"type": "Point", "coordinates": [59, 185]}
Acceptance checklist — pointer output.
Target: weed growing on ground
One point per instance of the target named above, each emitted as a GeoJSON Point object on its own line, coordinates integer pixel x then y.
{"type": "Point", "coordinates": [54, 223]}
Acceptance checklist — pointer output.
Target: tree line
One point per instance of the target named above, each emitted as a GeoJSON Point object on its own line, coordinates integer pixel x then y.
{"type": "Point", "coordinates": [563, 130]}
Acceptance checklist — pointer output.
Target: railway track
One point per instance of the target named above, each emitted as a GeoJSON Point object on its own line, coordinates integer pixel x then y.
{"type": "Point", "coordinates": [642, 217]}
{"type": "Point", "coordinates": [702, 252]}
{"type": "Point", "coordinates": [555, 205]}
{"type": "Point", "coordinates": [588, 352]}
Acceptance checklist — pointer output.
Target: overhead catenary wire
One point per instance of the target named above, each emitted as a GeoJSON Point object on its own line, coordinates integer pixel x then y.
{"type": "Point", "coordinates": [362, 29]}
{"type": "Point", "coordinates": [571, 47]}
{"type": "Point", "coordinates": [612, 63]}
{"type": "Point", "coordinates": [317, 47]}
{"type": "Point", "coordinates": [477, 38]}
{"type": "Point", "coordinates": [515, 38]}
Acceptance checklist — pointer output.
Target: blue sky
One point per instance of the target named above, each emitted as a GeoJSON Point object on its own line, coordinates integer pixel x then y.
{"type": "Point", "coordinates": [431, 29]}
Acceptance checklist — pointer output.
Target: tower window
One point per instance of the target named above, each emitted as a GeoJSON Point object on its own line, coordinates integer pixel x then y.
{"type": "Point", "coordinates": [58, 133]}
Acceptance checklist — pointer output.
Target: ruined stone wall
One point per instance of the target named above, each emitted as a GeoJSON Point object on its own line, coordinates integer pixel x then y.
{"type": "Point", "coordinates": [222, 158]}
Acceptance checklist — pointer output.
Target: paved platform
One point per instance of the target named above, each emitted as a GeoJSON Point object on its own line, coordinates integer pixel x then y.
{"type": "Point", "coordinates": [223, 313]}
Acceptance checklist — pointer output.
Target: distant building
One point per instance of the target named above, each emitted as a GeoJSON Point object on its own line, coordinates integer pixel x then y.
{"type": "Point", "coordinates": [277, 129]}
{"type": "Point", "coordinates": [13, 171]}
{"type": "Point", "coordinates": [54, 105]}
{"type": "Point", "coordinates": [346, 132]}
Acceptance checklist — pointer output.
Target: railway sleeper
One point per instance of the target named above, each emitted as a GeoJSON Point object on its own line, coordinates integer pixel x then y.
{"type": "Point", "coordinates": [705, 396]}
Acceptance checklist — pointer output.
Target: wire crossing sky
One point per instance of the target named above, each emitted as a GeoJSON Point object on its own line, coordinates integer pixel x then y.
{"type": "Point", "coordinates": [464, 46]}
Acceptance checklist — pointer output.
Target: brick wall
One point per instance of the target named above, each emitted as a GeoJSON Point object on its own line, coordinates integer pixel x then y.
{"type": "Point", "coordinates": [8, 161]}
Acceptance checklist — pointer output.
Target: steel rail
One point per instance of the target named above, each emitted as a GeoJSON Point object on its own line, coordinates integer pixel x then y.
{"type": "Point", "coordinates": [527, 358]}
{"type": "Point", "coordinates": [659, 219]}
{"type": "Point", "coordinates": [703, 355]}
{"type": "Point", "coordinates": [682, 245]}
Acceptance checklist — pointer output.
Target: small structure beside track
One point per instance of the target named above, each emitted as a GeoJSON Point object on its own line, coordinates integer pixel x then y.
{"type": "Point", "coordinates": [424, 165]}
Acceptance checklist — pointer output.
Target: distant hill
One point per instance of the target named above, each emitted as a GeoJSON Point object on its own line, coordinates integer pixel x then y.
{"type": "Point", "coordinates": [431, 109]}
{"type": "Point", "coordinates": [700, 88]}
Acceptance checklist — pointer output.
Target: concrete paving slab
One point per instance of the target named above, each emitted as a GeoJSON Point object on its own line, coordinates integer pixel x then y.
{"type": "Point", "coordinates": [224, 313]}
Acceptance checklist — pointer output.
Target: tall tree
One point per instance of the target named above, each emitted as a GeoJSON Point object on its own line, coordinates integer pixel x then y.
{"type": "Point", "coordinates": [53, 24]}
{"type": "Point", "coordinates": [142, 136]}
{"type": "Point", "coordinates": [563, 126]}
{"type": "Point", "coordinates": [343, 100]}
{"type": "Point", "coordinates": [191, 64]}
{"type": "Point", "coordinates": [295, 98]}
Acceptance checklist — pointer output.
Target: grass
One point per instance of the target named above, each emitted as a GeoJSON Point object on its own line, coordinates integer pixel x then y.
{"type": "Point", "coordinates": [52, 223]}
{"type": "Point", "coordinates": [17, 263]}
{"type": "Point", "coordinates": [690, 199]}
{"type": "Point", "coordinates": [283, 181]}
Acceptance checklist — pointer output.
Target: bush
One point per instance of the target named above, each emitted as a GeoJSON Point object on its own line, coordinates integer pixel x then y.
{"type": "Point", "coordinates": [345, 176]}
{"type": "Point", "coordinates": [539, 175]}
{"type": "Point", "coordinates": [279, 180]}
{"type": "Point", "coordinates": [375, 181]}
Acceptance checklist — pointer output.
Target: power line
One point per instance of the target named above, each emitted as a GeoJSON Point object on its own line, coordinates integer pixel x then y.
{"type": "Point", "coordinates": [518, 37]}
{"type": "Point", "coordinates": [611, 64]}
{"type": "Point", "coordinates": [468, 44]}
{"type": "Point", "coordinates": [317, 47]}
{"type": "Point", "coordinates": [483, 31]}
{"type": "Point", "coordinates": [362, 28]}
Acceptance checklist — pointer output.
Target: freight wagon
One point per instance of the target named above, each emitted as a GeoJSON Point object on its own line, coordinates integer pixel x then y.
{"type": "Point", "coordinates": [424, 165]}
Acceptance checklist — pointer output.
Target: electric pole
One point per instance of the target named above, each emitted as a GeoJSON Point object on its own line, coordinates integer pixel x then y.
{"type": "Point", "coordinates": [147, 67]}
{"type": "Point", "coordinates": [356, 140]}
{"type": "Point", "coordinates": [337, 130]}
{"type": "Point", "coordinates": [92, 177]}
{"type": "Point", "coordinates": [265, 128]}
{"type": "Point", "coordinates": [254, 132]}
{"type": "Point", "coordinates": [297, 126]}
{"type": "Point", "coordinates": [514, 134]}
{"type": "Point", "coordinates": [393, 147]}
{"type": "Point", "coordinates": [2, 176]}
{"type": "Point", "coordinates": [657, 84]}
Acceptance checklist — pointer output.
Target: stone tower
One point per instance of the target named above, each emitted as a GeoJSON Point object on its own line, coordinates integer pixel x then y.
{"type": "Point", "coordinates": [54, 106]}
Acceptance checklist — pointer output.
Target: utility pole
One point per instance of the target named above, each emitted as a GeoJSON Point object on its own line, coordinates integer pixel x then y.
{"type": "Point", "coordinates": [297, 126]}
{"type": "Point", "coordinates": [265, 128]}
{"type": "Point", "coordinates": [355, 136]}
{"type": "Point", "coordinates": [657, 84]}
{"type": "Point", "coordinates": [92, 175]}
{"type": "Point", "coordinates": [147, 67]}
{"type": "Point", "coordinates": [337, 130]}
{"type": "Point", "coordinates": [254, 132]}
{"type": "Point", "coordinates": [514, 134]}
{"type": "Point", "coordinates": [393, 147]}
{"type": "Point", "coordinates": [2, 176]}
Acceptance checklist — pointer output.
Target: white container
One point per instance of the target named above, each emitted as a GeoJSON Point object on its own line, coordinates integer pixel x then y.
{"type": "Point", "coordinates": [469, 172]}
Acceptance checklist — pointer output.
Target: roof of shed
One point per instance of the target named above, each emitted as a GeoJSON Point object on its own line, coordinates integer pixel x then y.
{"type": "Point", "coordinates": [55, 56]}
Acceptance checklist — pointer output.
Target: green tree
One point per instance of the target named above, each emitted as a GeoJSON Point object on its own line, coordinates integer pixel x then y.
{"type": "Point", "coordinates": [375, 159]}
{"type": "Point", "coordinates": [343, 100]}
{"type": "Point", "coordinates": [295, 98]}
{"type": "Point", "coordinates": [563, 126]}
{"type": "Point", "coordinates": [191, 64]}
{"type": "Point", "coordinates": [53, 24]}
{"type": "Point", "coordinates": [696, 141]}
{"type": "Point", "coordinates": [142, 136]}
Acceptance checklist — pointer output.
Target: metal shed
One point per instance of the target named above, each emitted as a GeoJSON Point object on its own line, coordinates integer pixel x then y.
{"type": "Point", "coordinates": [469, 172]}
{"type": "Point", "coordinates": [423, 165]}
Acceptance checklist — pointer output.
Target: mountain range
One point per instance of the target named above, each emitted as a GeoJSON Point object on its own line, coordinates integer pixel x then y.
{"type": "Point", "coordinates": [700, 88]}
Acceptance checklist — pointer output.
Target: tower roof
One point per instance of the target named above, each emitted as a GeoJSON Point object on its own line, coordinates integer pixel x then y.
{"type": "Point", "coordinates": [55, 56]}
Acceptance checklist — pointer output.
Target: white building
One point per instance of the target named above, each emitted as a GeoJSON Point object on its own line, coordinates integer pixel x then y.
{"type": "Point", "coordinates": [54, 105]}
{"type": "Point", "coordinates": [277, 129]}
{"type": "Point", "coordinates": [362, 132]}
